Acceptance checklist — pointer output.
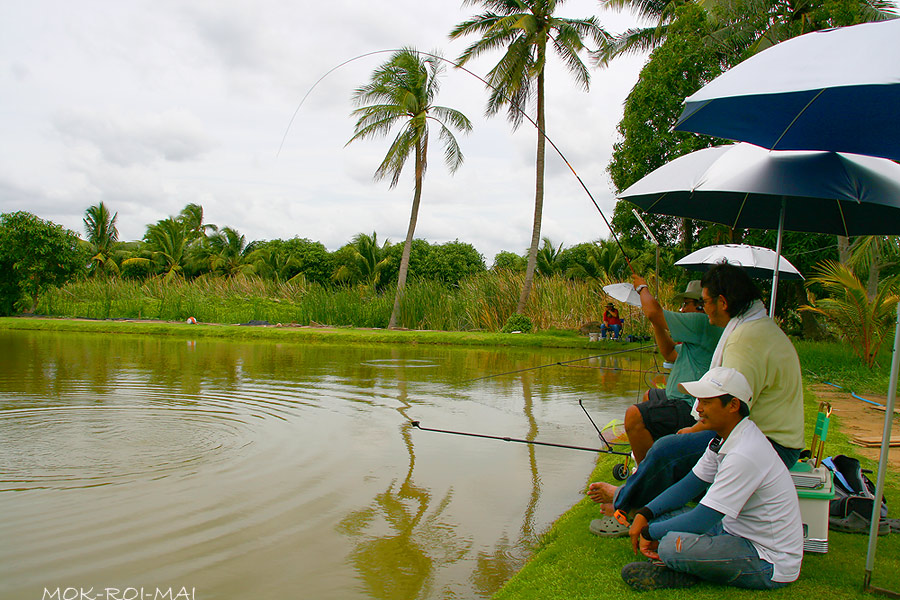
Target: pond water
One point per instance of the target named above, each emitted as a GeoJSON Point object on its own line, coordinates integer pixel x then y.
{"type": "Point", "coordinates": [277, 470]}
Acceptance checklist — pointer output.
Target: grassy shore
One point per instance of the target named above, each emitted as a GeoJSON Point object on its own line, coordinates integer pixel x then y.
{"type": "Point", "coordinates": [570, 562]}
{"type": "Point", "coordinates": [321, 335]}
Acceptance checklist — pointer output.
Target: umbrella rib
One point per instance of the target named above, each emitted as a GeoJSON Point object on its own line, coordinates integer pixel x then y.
{"type": "Point", "coordinates": [737, 217]}
{"type": "Point", "coordinates": [843, 219]}
{"type": "Point", "coordinates": [798, 115]}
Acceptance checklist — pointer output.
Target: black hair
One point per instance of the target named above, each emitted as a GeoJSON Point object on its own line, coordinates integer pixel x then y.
{"type": "Point", "coordinates": [743, 409]}
{"type": "Point", "coordinates": [734, 284]}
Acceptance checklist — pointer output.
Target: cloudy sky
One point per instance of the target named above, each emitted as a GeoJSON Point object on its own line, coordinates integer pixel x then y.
{"type": "Point", "coordinates": [151, 105]}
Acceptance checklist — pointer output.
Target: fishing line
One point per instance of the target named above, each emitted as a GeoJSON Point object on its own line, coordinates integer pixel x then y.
{"type": "Point", "coordinates": [559, 363]}
{"type": "Point", "coordinates": [602, 368]}
{"type": "Point", "coordinates": [505, 97]}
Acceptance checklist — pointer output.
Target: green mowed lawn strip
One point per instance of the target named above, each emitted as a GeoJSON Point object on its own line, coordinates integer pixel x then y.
{"type": "Point", "coordinates": [570, 562]}
{"type": "Point", "coordinates": [325, 335]}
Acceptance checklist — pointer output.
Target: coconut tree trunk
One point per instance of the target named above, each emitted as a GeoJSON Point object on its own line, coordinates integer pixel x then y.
{"type": "Point", "coordinates": [538, 199]}
{"type": "Point", "coordinates": [407, 245]}
{"type": "Point", "coordinates": [843, 244]}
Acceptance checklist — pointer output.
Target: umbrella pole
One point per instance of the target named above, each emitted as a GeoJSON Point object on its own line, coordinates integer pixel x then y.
{"type": "Point", "coordinates": [777, 258]}
{"type": "Point", "coordinates": [882, 463]}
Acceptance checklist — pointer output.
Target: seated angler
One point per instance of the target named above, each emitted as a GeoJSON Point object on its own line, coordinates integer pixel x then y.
{"type": "Point", "coordinates": [685, 338]}
{"type": "Point", "coordinates": [611, 322]}
{"type": "Point", "coordinates": [747, 529]}
{"type": "Point", "coordinates": [754, 345]}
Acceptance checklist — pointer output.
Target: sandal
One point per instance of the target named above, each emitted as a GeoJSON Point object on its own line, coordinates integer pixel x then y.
{"type": "Point", "coordinates": [608, 527]}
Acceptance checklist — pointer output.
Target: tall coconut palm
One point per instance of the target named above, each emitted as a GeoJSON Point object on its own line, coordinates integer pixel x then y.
{"type": "Point", "coordinates": [526, 29]}
{"type": "Point", "coordinates": [102, 234]}
{"type": "Point", "coordinates": [401, 93]}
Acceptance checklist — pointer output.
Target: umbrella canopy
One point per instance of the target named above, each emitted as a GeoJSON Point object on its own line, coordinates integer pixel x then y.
{"type": "Point", "coordinates": [835, 90]}
{"type": "Point", "coordinates": [623, 292]}
{"type": "Point", "coordinates": [757, 261]}
{"type": "Point", "coordinates": [742, 185]}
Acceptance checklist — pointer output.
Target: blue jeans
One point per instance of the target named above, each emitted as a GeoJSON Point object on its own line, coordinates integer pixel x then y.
{"type": "Point", "coordinates": [669, 459]}
{"type": "Point", "coordinates": [719, 557]}
{"type": "Point", "coordinates": [616, 330]}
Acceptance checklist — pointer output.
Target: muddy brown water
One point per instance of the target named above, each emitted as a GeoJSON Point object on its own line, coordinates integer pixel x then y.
{"type": "Point", "coordinates": [135, 466]}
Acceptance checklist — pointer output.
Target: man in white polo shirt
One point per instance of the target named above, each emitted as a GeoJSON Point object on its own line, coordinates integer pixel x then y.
{"type": "Point", "coordinates": [746, 531]}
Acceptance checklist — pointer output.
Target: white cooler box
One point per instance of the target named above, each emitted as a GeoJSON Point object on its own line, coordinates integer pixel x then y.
{"type": "Point", "coordinates": [815, 488]}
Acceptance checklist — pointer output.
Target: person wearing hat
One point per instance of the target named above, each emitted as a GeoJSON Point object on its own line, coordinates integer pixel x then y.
{"type": "Point", "coordinates": [753, 344]}
{"type": "Point", "coordinates": [747, 529]}
{"type": "Point", "coordinates": [685, 338]}
{"type": "Point", "coordinates": [611, 322]}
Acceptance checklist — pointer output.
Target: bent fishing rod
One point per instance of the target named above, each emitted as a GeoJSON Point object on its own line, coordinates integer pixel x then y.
{"type": "Point", "coordinates": [505, 97]}
{"type": "Point", "coordinates": [503, 438]}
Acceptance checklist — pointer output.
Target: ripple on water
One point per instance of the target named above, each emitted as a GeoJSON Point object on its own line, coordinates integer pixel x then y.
{"type": "Point", "coordinates": [63, 447]}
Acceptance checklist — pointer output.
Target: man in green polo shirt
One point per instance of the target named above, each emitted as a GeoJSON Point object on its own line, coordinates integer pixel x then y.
{"type": "Point", "coordinates": [687, 340]}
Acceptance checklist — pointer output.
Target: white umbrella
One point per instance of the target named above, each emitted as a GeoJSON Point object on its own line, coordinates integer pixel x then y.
{"type": "Point", "coordinates": [623, 292]}
{"type": "Point", "coordinates": [835, 90]}
{"type": "Point", "coordinates": [742, 185]}
{"type": "Point", "coordinates": [757, 261]}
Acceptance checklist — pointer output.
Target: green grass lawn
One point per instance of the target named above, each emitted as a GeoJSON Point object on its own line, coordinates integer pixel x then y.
{"type": "Point", "coordinates": [572, 563]}
{"type": "Point", "coordinates": [324, 335]}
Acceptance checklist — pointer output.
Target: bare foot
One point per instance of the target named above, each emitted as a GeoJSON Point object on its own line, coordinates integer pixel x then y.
{"type": "Point", "coordinates": [600, 491]}
{"type": "Point", "coordinates": [607, 509]}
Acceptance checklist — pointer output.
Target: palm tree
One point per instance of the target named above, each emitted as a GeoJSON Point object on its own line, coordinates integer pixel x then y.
{"type": "Point", "coordinates": [102, 235]}
{"type": "Point", "coordinates": [225, 252]}
{"type": "Point", "coordinates": [861, 321]}
{"type": "Point", "coordinates": [603, 261]}
{"type": "Point", "coordinates": [192, 217]}
{"type": "Point", "coordinates": [367, 260]}
{"type": "Point", "coordinates": [526, 28]}
{"type": "Point", "coordinates": [168, 240]}
{"type": "Point", "coordinates": [549, 259]}
{"type": "Point", "coordinates": [401, 93]}
{"type": "Point", "coordinates": [273, 263]}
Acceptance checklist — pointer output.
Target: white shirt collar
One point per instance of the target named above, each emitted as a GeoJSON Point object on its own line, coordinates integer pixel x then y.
{"type": "Point", "coordinates": [734, 435]}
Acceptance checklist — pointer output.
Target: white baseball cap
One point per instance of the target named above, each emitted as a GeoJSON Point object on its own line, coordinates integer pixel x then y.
{"type": "Point", "coordinates": [718, 381]}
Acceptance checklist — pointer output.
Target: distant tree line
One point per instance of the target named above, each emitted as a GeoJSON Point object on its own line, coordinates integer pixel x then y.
{"type": "Point", "coordinates": [36, 254]}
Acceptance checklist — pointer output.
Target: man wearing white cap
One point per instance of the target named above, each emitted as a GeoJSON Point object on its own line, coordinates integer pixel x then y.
{"type": "Point", "coordinates": [747, 530]}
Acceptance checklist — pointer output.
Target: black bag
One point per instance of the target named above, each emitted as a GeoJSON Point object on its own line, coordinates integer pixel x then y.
{"type": "Point", "coordinates": [854, 492]}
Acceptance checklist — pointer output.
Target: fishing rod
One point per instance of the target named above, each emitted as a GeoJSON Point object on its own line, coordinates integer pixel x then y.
{"type": "Point", "coordinates": [561, 363]}
{"type": "Point", "coordinates": [418, 425]}
{"type": "Point", "coordinates": [505, 97]}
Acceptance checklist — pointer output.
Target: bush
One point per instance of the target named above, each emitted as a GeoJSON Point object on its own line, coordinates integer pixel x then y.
{"type": "Point", "coordinates": [517, 322]}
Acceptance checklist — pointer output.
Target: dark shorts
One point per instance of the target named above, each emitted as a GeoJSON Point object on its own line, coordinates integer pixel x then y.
{"type": "Point", "coordinates": [663, 416]}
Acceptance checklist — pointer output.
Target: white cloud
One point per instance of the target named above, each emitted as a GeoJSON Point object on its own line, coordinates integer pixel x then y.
{"type": "Point", "coordinates": [127, 140]}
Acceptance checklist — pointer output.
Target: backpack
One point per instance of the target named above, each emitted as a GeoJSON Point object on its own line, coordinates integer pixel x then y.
{"type": "Point", "coordinates": [854, 492]}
